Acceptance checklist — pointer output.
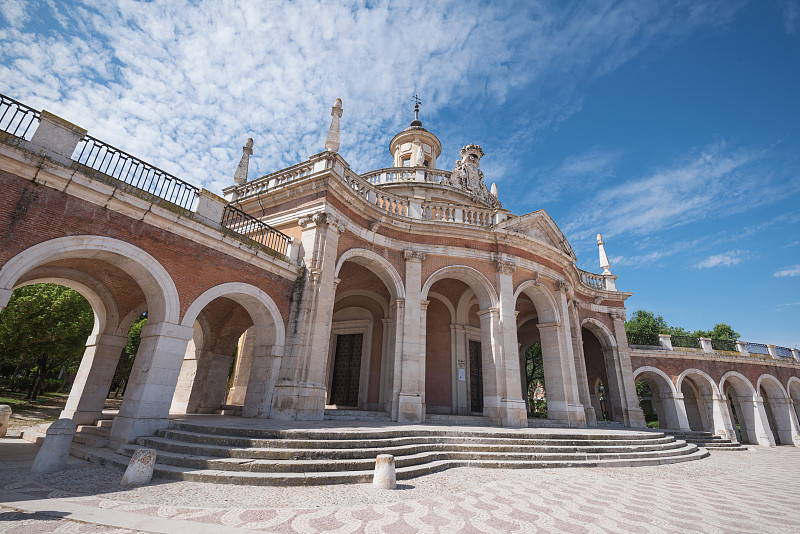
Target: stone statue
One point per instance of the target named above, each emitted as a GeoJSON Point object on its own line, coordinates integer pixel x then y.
{"type": "Point", "coordinates": [467, 176]}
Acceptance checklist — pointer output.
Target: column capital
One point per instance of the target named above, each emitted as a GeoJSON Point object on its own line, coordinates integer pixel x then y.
{"type": "Point", "coordinates": [414, 255]}
{"type": "Point", "coordinates": [562, 286]}
{"type": "Point", "coordinates": [321, 218]}
{"type": "Point", "coordinates": [494, 312]}
{"type": "Point", "coordinates": [336, 283]}
{"type": "Point", "coordinates": [618, 314]}
{"type": "Point", "coordinates": [397, 303]}
{"type": "Point", "coordinates": [504, 266]}
{"type": "Point", "coordinates": [423, 305]}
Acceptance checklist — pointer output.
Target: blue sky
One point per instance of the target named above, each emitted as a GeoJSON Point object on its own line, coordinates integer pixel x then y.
{"type": "Point", "coordinates": [669, 127]}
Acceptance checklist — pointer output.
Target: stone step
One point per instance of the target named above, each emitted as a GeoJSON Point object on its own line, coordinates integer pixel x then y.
{"type": "Point", "coordinates": [472, 420]}
{"type": "Point", "coordinates": [328, 464]}
{"type": "Point", "coordinates": [94, 430]}
{"type": "Point", "coordinates": [173, 443]}
{"type": "Point", "coordinates": [90, 440]}
{"type": "Point", "coordinates": [339, 414]}
{"type": "Point", "coordinates": [369, 434]}
{"type": "Point", "coordinates": [104, 423]}
{"type": "Point", "coordinates": [375, 442]}
{"type": "Point", "coordinates": [403, 473]}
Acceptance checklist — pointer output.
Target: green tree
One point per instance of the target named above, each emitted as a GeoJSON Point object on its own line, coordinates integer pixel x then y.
{"type": "Point", "coordinates": [720, 331]}
{"type": "Point", "coordinates": [646, 322]}
{"type": "Point", "coordinates": [43, 329]}
{"type": "Point", "coordinates": [125, 364]}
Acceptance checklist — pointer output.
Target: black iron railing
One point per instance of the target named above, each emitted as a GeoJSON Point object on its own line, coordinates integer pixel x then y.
{"type": "Point", "coordinates": [639, 338]}
{"type": "Point", "coordinates": [723, 344]}
{"type": "Point", "coordinates": [757, 348]}
{"type": "Point", "coordinates": [16, 118]}
{"type": "Point", "coordinates": [252, 228]}
{"type": "Point", "coordinates": [784, 352]}
{"type": "Point", "coordinates": [118, 164]}
{"type": "Point", "coordinates": [686, 342]}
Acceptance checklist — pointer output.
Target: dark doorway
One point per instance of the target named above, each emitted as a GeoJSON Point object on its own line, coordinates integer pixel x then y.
{"type": "Point", "coordinates": [346, 370]}
{"type": "Point", "coordinates": [475, 377]}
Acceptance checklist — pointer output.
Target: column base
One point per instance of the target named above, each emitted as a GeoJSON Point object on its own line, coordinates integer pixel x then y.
{"type": "Point", "coordinates": [591, 416]}
{"type": "Point", "coordinates": [572, 415]}
{"type": "Point", "coordinates": [513, 413]}
{"type": "Point", "coordinates": [410, 408]}
{"type": "Point", "coordinates": [126, 429]}
{"type": "Point", "coordinates": [635, 418]}
{"type": "Point", "coordinates": [82, 417]}
{"type": "Point", "coordinates": [298, 402]}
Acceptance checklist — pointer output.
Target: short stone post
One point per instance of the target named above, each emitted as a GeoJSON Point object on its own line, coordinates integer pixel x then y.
{"type": "Point", "coordinates": [140, 468]}
{"type": "Point", "coordinates": [5, 415]}
{"type": "Point", "coordinates": [705, 344]}
{"type": "Point", "coordinates": [665, 340]}
{"type": "Point", "coordinates": [54, 453]}
{"type": "Point", "coordinates": [385, 476]}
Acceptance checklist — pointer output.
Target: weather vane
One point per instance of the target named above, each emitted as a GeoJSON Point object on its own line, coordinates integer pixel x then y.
{"type": "Point", "coordinates": [417, 102]}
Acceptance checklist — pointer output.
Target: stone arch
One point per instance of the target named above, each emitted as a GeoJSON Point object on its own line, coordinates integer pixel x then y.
{"type": "Point", "coordinates": [601, 332]}
{"type": "Point", "coordinates": [740, 396]}
{"type": "Point", "coordinates": [671, 414]}
{"type": "Point", "coordinates": [542, 299]}
{"type": "Point", "coordinates": [780, 414]}
{"type": "Point", "coordinates": [700, 397]}
{"type": "Point", "coordinates": [380, 266]}
{"type": "Point", "coordinates": [447, 304]}
{"type": "Point", "coordinates": [154, 280]}
{"type": "Point", "coordinates": [707, 379]}
{"type": "Point", "coordinates": [793, 389]}
{"type": "Point", "coordinates": [266, 339]}
{"type": "Point", "coordinates": [484, 291]}
{"type": "Point", "coordinates": [379, 300]}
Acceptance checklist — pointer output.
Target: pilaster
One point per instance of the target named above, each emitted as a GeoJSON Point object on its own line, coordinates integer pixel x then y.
{"type": "Point", "coordinates": [513, 411]}
{"type": "Point", "coordinates": [634, 417]}
{"type": "Point", "coordinates": [410, 405]}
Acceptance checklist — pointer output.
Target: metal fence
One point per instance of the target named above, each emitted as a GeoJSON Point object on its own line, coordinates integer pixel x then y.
{"type": "Point", "coordinates": [757, 348]}
{"type": "Point", "coordinates": [784, 352]}
{"type": "Point", "coordinates": [723, 344]}
{"type": "Point", "coordinates": [118, 164]}
{"type": "Point", "coordinates": [16, 118]}
{"type": "Point", "coordinates": [252, 228]}
{"type": "Point", "coordinates": [638, 338]}
{"type": "Point", "coordinates": [686, 342]}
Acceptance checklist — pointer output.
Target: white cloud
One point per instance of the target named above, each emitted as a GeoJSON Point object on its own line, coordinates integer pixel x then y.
{"type": "Point", "coordinates": [715, 182]}
{"type": "Point", "coordinates": [174, 82]}
{"type": "Point", "coordinates": [640, 260]}
{"type": "Point", "coordinates": [790, 13]}
{"type": "Point", "coordinates": [726, 259]}
{"type": "Point", "coordinates": [14, 12]}
{"type": "Point", "coordinates": [790, 272]}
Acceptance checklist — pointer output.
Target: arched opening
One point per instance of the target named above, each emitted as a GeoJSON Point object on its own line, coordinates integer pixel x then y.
{"type": "Point", "coordinates": [597, 372]}
{"type": "Point", "coordinates": [794, 395]}
{"type": "Point", "coordinates": [120, 281]}
{"type": "Point", "coordinates": [739, 394]}
{"type": "Point", "coordinates": [459, 318]}
{"type": "Point", "coordinates": [218, 319]}
{"type": "Point", "coordinates": [361, 356]}
{"type": "Point", "coordinates": [778, 410]}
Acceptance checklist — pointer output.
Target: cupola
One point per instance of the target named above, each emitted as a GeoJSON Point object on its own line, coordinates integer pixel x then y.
{"type": "Point", "coordinates": [415, 146]}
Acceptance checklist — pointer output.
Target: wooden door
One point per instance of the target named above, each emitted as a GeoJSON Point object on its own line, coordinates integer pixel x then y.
{"type": "Point", "coordinates": [346, 370]}
{"type": "Point", "coordinates": [475, 377]}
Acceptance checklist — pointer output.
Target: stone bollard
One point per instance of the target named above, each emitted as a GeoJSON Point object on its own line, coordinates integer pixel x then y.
{"type": "Point", "coordinates": [385, 477]}
{"type": "Point", "coordinates": [54, 453]}
{"type": "Point", "coordinates": [5, 415]}
{"type": "Point", "coordinates": [140, 468]}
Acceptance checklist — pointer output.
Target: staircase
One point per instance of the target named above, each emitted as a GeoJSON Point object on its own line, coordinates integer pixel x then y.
{"type": "Point", "coordinates": [707, 440]}
{"type": "Point", "coordinates": [343, 414]}
{"type": "Point", "coordinates": [204, 453]}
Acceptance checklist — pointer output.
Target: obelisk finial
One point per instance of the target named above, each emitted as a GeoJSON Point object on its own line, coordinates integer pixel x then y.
{"type": "Point", "coordinates": [332, 141]}
{"type": "Point", "coordinates": [604, 264]}
{"type": "Point", "coordinates": [240, 176]}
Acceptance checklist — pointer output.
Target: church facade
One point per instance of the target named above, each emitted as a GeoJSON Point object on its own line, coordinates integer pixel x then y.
{"type": "Point", "coordinates": [422, 296]}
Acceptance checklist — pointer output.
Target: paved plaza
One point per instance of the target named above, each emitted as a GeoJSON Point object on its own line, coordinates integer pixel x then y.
{"type": "Point", "coordinates": [752, 491]}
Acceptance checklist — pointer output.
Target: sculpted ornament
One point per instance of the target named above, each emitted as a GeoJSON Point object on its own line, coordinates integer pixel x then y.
{"type": "Point", "coordinates": [467, 176]}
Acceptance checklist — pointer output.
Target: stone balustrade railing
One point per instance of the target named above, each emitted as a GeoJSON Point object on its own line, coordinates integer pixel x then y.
{"type": "Point", "coordinates": [598, 281]}
{"type": "Point", "coordinates": [393, 175]}
{"type": "Point", "coordinates": [758, 351]}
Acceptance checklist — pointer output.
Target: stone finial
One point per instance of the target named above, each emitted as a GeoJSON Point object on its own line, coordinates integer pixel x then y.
{"type": "Point", "coordinates": [332, 141]}
{"type": "Point", "coordinates": [604, 264]}
{"type": "Point", "coordinates": [494, 190]}
{"type": "Point", "coordinates": [240, 177]}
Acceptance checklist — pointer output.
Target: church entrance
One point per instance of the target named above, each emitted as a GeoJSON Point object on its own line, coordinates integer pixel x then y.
{"type": "Point", "coordinates": [346, 370]}
{"type": "Point", "coordinates": [475, 377]}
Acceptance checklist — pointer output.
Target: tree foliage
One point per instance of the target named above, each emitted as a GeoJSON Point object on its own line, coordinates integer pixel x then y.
{"type": "Point", "coordinates": [44, 329]}
{"type": "Point", "coordinates": [129, 353]}
{"type": "Point", "coordinates": [646, 322]}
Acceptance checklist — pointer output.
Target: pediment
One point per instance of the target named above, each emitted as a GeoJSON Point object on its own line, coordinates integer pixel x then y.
{"type": "Point", "coordinates": [539, 226]}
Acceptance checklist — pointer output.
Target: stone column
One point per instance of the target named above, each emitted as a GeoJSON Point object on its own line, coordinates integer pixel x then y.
{"type": "Point", "coordinates": [212, 396]}
{"type": "Point", "coordinates": [513, 411]}
{"type": "Point", "coordinates": [721, 418]}
{"type": "Point", "coordinates": [410, 408]}
{"type": "Point", "coordinates": [386, 366]}
{"type": "Point", "coordinates": [261, 389]}
{"type": "Point", "coordinates": [152, 382]}
{"type": "Point", "coordinates": [300, 392]}
{"type": "Point", "coordinates": [90, 388]}
{"type": "Point", "coordinates": [241, 372]}
{"type": "Point", "coordinates": [491, 352]}
{"type": "Point", "coordinates": [632, 413]}
{"type": "Point", "coordinates": [563, 402]}
{"type": "Point", "coordinates": [761, 422]}
{"type": "Point", "coordinates": [398, 312]}
{"type": "Point", "coordinates": [681, 419]}
{"type": "Point", "coordinates": [193, 370]}
{"type": "Point", "coordinates": [580, 367]}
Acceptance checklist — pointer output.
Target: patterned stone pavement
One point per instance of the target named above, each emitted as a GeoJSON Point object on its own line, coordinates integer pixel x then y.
{"type": "Point", "coordinates": [755, 491]}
